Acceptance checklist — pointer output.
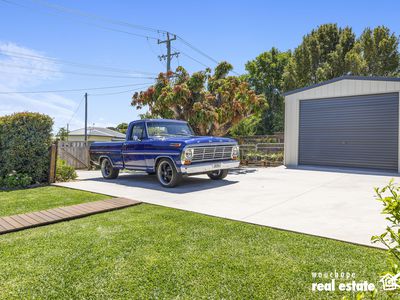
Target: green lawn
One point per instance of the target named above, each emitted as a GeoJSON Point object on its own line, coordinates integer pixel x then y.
{"type": "Point", "coordinates": [152, 252]}
{"type": "Point", "coordinates": [28, 200]}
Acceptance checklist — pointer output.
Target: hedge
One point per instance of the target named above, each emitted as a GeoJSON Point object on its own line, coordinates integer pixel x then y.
{"type": "Point", "coordinates": [24, 141]}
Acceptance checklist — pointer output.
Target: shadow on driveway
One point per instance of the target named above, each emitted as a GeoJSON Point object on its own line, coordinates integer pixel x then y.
{"type": "Point", "coordinates": [188, 184]}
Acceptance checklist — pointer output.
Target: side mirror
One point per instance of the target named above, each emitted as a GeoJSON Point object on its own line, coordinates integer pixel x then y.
{"type": "Point", "coordinates": [135, 138]}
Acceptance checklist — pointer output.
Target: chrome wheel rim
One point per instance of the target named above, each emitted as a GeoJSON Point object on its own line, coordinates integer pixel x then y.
{"type": "Point", "coordinates": [107, 168]}
{"type": "Point", "coordinates": [216, 173]}
{"type": "Point", "coordinates": [165, 173]}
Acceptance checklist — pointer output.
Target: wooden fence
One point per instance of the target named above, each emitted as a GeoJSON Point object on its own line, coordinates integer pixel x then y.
{"type": "Point", "coordinates": [278, 137]}
{"type": "Point", "coordinates": [76, 154]}
{"type": "Point", "coordinates": [262, 150]}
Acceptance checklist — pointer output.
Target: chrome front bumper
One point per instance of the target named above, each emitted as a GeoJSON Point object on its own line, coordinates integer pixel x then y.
{"type": "Point", "coordinates": [209, 166]}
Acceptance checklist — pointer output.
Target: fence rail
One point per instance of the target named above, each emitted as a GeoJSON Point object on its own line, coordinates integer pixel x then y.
{"type": "Point", "coordinates": [263, 149]}
{"type": "Point", "coordinates": [261, 153]}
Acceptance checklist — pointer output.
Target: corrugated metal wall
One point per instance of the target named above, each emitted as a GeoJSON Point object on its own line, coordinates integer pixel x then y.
{"type": "Point", "coordinates": [357, 131]}
{"type": "Point", "coordinates": [342, 88]}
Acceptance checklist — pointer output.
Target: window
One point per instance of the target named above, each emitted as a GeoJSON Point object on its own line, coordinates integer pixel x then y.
{"type": "Point", "coordinates": [169, 129]}
{"type": "Point", "coordinates": [137, 132]}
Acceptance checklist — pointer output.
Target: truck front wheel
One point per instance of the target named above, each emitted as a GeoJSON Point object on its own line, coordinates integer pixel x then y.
{"type": "Point", "coordinates": [218, 174]}
{"type": "Point", "coordinates": [167, 174]}
{"type": "Point", "coordinates": [107, 170]}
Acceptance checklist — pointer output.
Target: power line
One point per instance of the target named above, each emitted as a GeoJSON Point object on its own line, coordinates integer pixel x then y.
{"type": "Point", "coordinates": [72, 90]}
{"type": "Point", "coordinates": [201, 52]}
{"type": "Point", "coordinates": [79, 13]}
{"type": "Point", "coordinates": [60, 61]}
{"type": "Point", "coordinates": [87, 23]}
{"type": "Point", "coordinates": [197, 50]}
{"type": "Point", "coordinates": [192, 58]}
{"type": "Point", "coordinates": [121, 92]}
{"type": "Point", "coordinates": [76, 110]}
{"type": "Point", "coordinates": [73, 73]}
{"type": "Point", "coordinates": [154, 52]}
{"type": "Point", "coordinates": [95, 16]}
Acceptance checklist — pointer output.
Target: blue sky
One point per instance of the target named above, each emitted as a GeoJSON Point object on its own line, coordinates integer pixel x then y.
{"type": "Point", "coordinates": [235, 31]}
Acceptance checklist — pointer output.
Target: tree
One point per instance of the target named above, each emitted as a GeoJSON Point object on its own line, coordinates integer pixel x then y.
{"type": "Point", "coordinates": [265, 74]}
{"type": "Point", "coordinates": [320, 56]}
{"type": "Point", "coordinates": [375, 53]}
{"type": "Point", "coordinates": [122, 127]}
{"type": "Point", "coordinates": [211, 102]}
{"type": "Point", "coordinates": [330, 51]}
{"type": "Point", "coordinates": [62, 134]}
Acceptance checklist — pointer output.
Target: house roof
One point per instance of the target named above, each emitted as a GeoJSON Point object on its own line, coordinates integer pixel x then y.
{"type": "Point", "coordinates": [97, 131]}
{"type": "Point", "coordinates": [345, 77]}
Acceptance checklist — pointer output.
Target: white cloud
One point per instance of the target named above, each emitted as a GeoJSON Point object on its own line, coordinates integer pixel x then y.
{"type": "Point", "coordinates": [20, 67]}
{"type": "Point", "coordinates": [21, 73]}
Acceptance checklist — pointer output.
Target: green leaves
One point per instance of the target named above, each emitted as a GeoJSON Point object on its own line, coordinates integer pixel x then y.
{"type": "Point", "coordinates": [265, 74]}
{"type": "Point", "coordinates": [211, 102]}
{"type": "Point", "coordinates": [330, 51]}
{"type": "Point", "coordinates": [389, 196]}
{"type": "Point", "coordinates": [24, 141]}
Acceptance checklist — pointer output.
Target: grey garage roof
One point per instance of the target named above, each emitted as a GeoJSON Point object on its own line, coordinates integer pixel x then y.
{"type": "Point", "coordinates": [97, 131]}
{"type": "Point", "coordinates": [345, 77]}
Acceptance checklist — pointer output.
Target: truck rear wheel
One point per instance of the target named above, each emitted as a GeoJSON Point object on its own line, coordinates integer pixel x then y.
{"type": "Point", "coordinates": [107, 170]}
{"type": "Point", "coordinates": [167, 174]}
{"type": "Point", "coordinates": [218, 174]}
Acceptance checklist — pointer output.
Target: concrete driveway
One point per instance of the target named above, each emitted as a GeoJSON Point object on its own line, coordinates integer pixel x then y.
{"type": "Point", "coordinates": [332, 204]}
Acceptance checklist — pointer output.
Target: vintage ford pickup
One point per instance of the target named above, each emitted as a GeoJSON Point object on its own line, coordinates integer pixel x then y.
{"type": "Point", "coordinates": [167, 148]}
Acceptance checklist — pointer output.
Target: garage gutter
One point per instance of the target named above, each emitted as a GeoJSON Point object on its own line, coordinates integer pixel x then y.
{"type": "Point", "coordinates": [344, 77]}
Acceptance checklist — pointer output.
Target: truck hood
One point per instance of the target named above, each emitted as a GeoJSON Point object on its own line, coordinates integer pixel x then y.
{"type": "Point", "coordinates": [193, 140]}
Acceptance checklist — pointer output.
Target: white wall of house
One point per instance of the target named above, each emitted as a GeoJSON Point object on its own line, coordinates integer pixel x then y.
{"type": "Point", "coordinates": [342, 88]}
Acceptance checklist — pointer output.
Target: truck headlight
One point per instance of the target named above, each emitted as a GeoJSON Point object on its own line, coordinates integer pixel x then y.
{"type": "Point", "coordinates": [235, 152]}
{"type": "Point", "coordinates": [187, 156]}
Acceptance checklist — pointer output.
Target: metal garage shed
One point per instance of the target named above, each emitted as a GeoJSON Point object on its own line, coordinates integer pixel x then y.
{"type": "Point", "coordinates": [349, 121]}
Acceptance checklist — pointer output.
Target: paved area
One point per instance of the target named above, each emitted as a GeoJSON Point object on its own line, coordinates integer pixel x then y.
{"type": "Point", "coordinates": [54, 215]}
{"type": "Point", "coordinates": [328, 203]}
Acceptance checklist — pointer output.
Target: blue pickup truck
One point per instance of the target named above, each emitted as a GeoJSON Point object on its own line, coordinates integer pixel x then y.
{"type": "Point", "coordinates": [167, 148]}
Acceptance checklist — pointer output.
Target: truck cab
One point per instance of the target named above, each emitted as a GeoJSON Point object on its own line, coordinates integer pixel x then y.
{"type": "Point", "coordinates": [167, 148]}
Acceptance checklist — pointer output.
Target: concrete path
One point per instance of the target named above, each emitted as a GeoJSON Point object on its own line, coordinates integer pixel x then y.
{"type": "Point", "coordinates": [331, 204]}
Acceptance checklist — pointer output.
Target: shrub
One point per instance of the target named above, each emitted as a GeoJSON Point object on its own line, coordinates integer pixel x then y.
{"type": "Point", "coordinates": [390, 198]}
{"type": "Point", "coordinates": [64, 172]}
{"type": "Point", "coordinates": [24, 141]}
{"type": "Point", "coordinates": [15, 180]}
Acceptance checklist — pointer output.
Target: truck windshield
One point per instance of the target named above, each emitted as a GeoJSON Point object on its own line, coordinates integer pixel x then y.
{"type": "Point", "coordinates": [158, 129]}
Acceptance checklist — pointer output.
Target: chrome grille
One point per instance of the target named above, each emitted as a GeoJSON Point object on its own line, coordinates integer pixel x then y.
{"type": "Point", "coordinates": [212, 153]}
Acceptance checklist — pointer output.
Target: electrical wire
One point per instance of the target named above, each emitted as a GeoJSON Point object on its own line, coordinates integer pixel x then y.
{"type": "Point", "coordinates": [85, 22]}
{"type": "Point", "coordinates": [94, 16]}
{"type": "Point", "coordinates": [200, 52]}
{"type": "Point", "coordinates": [196, 49]}
{"type": "Point", "coordinates": [62, 62]}
{"type": "Point", "coordinates": [79, 13]}
{"type": "Point", "coordinates": [116, 93]}
{"type": "Point", "coordinates": [73, 73]}
{"type": "Point", "coordinates": [76, 110]}
{"type": "Point", "coordinates": [190, 57]}
{"type": "Point", "coordinates": [72, 90]}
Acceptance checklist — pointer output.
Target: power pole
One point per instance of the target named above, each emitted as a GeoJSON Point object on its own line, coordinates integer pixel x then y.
{"type": "Point", "coordinates": [86, 137]}
{"type": "Point", "coordinates": [168, 57]}
{"type": "Point", "coordinates": [67, 131]}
